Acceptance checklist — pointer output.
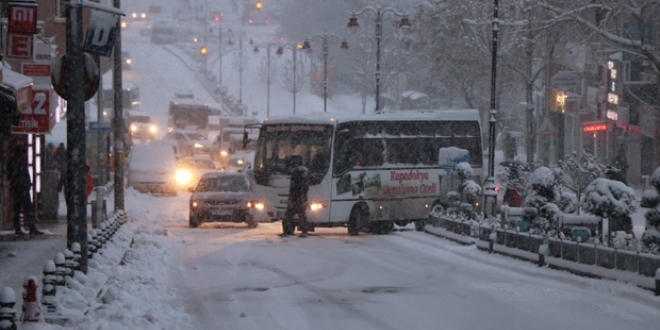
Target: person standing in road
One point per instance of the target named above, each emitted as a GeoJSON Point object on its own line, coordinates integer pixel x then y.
{"type": "Point", "coordinates": [297, 201]}
{"type": "Point", "coordinates": [20, 184]}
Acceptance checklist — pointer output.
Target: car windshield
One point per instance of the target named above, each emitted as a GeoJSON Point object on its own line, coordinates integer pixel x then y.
{"type": "Point", "coordinates": [197, 163]}
{"type": "Point", "coordinates": [226, 183]}
{"type": "Point", "coordinates": [140, 119]}
{"type": "Point", "coordinates": [196, 136]}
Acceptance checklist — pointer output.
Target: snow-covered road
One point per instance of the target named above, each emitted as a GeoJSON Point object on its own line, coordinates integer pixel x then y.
{"type": "Point", "coordinates": [232, 277]}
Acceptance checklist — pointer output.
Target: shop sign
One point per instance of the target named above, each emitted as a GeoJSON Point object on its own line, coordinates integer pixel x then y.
{"type": "Point", "coordinates": [36, 116]}
{"type": "Point", "coordinates": [592, 127]}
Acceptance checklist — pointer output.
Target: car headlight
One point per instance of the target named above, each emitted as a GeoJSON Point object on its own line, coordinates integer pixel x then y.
{"type": "Point", "coordinates": [256, 205]}
{"type": "Point", "coordinates": [124, 25]}
{"type": "Point", "coordinates": [143, 15]}
{"type": "Point", "coordinates": [183, 176]}
{"type": "Point", "coordinates": [128, 61]}
{"type": "Point", "coordinates": [223, 153]}
{"type": "Point", "coordinates": [317, 206]}
{"type": "Point", "coordinates": [194, 204]}
{"type": "Point", "coordinates": [133, 128]}
{"type": "Point", "coordinates": [134, 15]}
{"type": "Point", "coordinates": [153, 129]}
{"type": "Point", "coordinates": [199, 146]}
{"type": "Point", "coordinates": [239, 162]}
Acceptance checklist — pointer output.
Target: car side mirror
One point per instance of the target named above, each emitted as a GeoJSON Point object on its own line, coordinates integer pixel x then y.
{"type": "Point", "coordinates": [191, 189]}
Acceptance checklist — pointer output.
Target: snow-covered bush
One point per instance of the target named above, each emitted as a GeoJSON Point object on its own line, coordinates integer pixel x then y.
{"type": "Point", "coordinates": [608, 199]}
{"type": "Point", "coordinates": [567, 202]}
{"type": "Point", "coordinates": [469, 192]}
{"type": "Point", "coordinates": [542, 183]}
{"type": "Point", "coordinates": [463, 171]}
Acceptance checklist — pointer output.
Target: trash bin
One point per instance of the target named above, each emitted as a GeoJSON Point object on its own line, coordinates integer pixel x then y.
{"type": "Point", "coordinates": [49, 199]}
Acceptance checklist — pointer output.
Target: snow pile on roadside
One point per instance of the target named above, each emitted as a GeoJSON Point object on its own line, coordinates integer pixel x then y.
{"type": "Point", "coordinates": [137, 290]}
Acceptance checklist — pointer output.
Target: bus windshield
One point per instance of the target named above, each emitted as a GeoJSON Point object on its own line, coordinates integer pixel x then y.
{"type": "Point", "coordinates": [188, 116]}
{"type": "Point", "coordinates": [281, 147]}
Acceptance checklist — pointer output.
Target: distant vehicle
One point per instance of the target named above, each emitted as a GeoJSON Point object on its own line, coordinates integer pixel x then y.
{"type": "Point", "coordinates": [163, 33]}
{"type": "Point", "coordinates": [230, 136]}
{"type": "Point", "coordinates": [140, 125]}
{"type": "Point", "coordinates": [240, 161]}
{"type": "Point", "coordinates": [188, 114]}
{"type": "Point", "coordinates": [201, 144]}
{"type": "Point", "coordinates": [184, 94]}
{"type": "Point", "coordinates": [255, 13]}
{"type": "Point", "coordinates": [139, 15]}
{"type": "Point", "coordinates": [217, 16]}
{"type": "Point", "coordinates": [130, 98]}
{"type": "Point", "coordinates": [126, 60]}
{"type": "Point", "coordinates": [222, 197]}
{"type": "Point", "coordinates": [182, 145]}
{"type": "Point", "coordinates": [151, 169]}
{"type": "Point", "coordinates": [124, 24]}
{"type": "Point", "coordinates": [190, 169]}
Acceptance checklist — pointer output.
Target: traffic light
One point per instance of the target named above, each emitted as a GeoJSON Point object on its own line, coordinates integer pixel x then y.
{"type": "Point", "coordinates": [258, 5]}
{"type": "Point", "coordinates": [203, 50]}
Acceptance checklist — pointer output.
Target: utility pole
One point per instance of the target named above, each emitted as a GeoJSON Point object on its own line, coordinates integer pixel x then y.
{"type": "Point", "coordinates": [76, 197]}
{"type": "Point", "coordinates": [118, 119]}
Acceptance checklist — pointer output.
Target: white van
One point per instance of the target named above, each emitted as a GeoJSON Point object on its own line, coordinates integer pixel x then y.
{"type": "Point", "coordinates": [151, 168]}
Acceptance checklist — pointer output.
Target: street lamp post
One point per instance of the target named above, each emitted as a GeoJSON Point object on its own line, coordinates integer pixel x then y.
{"type": "Point", "coordinates": [294, 51]}
{"type": "Point", "coordinates": [492, 120]}
{"type": "Point", "coordinates": [238, 62]}
{"type": "Point", "coordinates": [324, 38]}
{"type": "Point", "coordinates": [379, 15]}
{"type": "Point", "coordinates": [268, 78]}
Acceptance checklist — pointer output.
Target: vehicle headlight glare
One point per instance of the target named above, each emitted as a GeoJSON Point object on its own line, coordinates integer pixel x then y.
{"type": "Point", "coordinates": [183, 176]}
{"type": "Point", "coordinates": [223, 153]}
{"type": "Point", "coordinates": [194, 204]}
{"type": "Point", "coordinates": [128, 61]}
{"type": "Point", "coordinates": [144, 15]}
{"type": "Point", "coordinates": [153, 129]}
{"type": "Point", "coordinates": [133, 128]}
{"type": "Point", "coordinates": [259, 206]}
{"type": "Point", "coordinates": [199, 146]}
{"type": "Point", "coordinates": [240, 162]}
{"type": "Point", "coordinates": [134, 15]}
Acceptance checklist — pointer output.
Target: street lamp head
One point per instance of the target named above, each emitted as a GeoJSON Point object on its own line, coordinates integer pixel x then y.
{"type": "Point", "coordinates": [306, 47]}
{"type": "Point", "coordinates": [344, 44]}
{"type": "Point", "coordinates": [353, 24]}
{"type": "Point", "coordinates": [230, 42]}
{"type": "Point", "coordinates": [251, 42]}
{"type": "Point", "coordinates": [279, 51]}
{"type": "Point", "coordinates": [405, 26]}
{"type": "Point", "coordinates": [255, 49]}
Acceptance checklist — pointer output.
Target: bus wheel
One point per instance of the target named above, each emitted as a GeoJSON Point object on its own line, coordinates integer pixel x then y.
{"type": "Point", "coordinates": [419, 225]}
{"type": "Point", "coordinates": [193, 222]}
{"type": "Point", "coordinates": [354, 222]}
{"type": "Point", "coordinates": [385, 227]}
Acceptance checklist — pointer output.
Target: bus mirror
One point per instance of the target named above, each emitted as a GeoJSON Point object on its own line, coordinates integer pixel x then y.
{"type": "Point", "coordinates": [245, 139]}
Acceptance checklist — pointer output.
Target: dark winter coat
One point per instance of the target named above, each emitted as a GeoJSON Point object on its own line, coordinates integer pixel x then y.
{"type": "Point", "coordinates": [299, 187]}
{"type": "Point", "coordinates": [60, 159]}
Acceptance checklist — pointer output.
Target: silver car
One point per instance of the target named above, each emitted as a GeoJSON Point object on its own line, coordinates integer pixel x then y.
{"type": "Point", "coordinates": [221, 197]}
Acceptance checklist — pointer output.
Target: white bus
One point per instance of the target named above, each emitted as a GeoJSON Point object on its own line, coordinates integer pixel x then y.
{"type": "Point", "coordinates": [367, 172]}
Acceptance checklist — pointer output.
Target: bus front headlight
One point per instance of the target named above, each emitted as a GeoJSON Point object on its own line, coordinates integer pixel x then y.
{"type": "Point", "coordinates": [316, 206]}
{"type": "Point", "coordinates": [223, 153]}
{"type": "Point", "coordinates": [153, 129]}
{"type": "Point", "coordinates": [133, 128]}
{"type": "Point", "coordinates": [183, 176]}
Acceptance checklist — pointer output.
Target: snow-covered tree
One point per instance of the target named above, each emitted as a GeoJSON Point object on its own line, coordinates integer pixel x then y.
{"type": "Point", "coordinates": [651, 199]}
{"type": "Point", "coordinates": [469, 192]}
{"type": "Point", "coordinates": [542, 194]}
{"type": "Point", "coordinates": [608, 199]}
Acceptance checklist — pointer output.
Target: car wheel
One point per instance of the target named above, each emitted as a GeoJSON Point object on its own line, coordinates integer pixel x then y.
{"type": "Point", "coordinates": [193, 222]}
{"type": "Point", "coordinates": [354, 221]}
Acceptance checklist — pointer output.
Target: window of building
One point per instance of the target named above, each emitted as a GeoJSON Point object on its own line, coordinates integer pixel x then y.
{"type": "Point", "coordinates": [60, 13]}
